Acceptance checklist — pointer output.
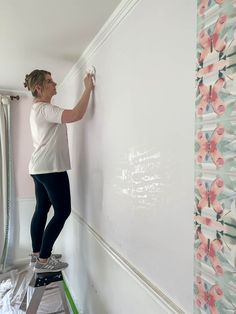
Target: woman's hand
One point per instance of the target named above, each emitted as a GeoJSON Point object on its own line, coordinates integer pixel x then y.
{"type": "Point", "coordinates": [77, 113]}
{"type": "Point", "coordinates": [88, 82]}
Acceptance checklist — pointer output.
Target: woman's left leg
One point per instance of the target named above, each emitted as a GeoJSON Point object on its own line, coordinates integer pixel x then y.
{"type": "Point", "coordinates": [58, 189]}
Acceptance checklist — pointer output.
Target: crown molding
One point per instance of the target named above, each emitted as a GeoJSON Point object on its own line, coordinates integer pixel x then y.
{"type": "Point", "coordinates": [123, 9]}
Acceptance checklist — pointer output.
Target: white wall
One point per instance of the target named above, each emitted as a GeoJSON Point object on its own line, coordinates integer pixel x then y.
{"type": "Point", "coordinates": [132, 164]}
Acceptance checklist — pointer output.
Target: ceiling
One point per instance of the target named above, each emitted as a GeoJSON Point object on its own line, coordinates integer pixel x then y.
{"type": "Point", "coordinates": [46, 34]}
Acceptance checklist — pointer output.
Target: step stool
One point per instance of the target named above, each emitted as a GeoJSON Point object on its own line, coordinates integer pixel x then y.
{"type": "Point", "coordinates": [40, 281]}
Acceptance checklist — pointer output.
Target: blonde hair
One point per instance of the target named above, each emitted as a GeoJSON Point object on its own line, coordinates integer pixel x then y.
{"type": "Point", "coordinates": [36, 77]}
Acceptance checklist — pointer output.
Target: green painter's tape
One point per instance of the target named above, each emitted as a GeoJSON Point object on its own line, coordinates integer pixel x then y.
{"type": "Point", "coordinates": [70, 299]}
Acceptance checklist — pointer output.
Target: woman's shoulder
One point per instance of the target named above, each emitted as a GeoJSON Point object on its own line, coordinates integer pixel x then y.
{"type": "Point", "coordinates": [39, 105]}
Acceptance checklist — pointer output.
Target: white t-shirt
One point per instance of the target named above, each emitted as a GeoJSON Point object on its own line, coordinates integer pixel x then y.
{"type": "Point", "coordinates": [50, 140]}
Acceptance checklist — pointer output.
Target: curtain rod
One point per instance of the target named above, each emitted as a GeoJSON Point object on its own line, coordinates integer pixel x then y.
{"type": "Point", "coordinates": [17, 97]}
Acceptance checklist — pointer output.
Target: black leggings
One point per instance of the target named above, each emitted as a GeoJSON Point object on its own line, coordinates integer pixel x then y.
{"type": "Point", "coordinates": [50, 189]}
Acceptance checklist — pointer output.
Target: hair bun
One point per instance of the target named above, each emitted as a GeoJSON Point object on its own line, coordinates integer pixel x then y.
{"type": "Point", "coordinates": [26, 81]}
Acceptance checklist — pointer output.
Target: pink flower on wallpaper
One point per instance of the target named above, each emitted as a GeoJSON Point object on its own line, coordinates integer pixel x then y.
{"type": "Point", "coordinates": [209, 250]}
{"type": "Point", "coordinates": [213, 67]}
{"type": "Point", "coordinates": [208, 42]}
{"type": "Point", "coordinates": [210, 146]}
{"type": "Point", "coordinates": [210, 95]}
{"type": "Point", "coordinates": [209, 196]}
{"type": "Point", "coordinates": [208, 298]}
{"type": "Point", "coordinates": [213, 224]}
{"type": "Point", "coordinates": [203, 6]}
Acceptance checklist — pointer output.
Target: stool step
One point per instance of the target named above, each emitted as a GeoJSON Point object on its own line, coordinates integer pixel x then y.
{"type": "Point", "coordinates": [39, 282]}
{"type": "Point", "coordinates": [44, 279]}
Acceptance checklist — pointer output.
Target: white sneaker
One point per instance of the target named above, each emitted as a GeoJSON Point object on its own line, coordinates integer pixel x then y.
{"type": "Point", "coordinates": [34, 257]}
{"type": "Point", "coordinates": [52, 265]}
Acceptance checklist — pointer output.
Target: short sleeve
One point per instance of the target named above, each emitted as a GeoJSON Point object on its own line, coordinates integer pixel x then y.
{"type": "Point", "coordinates": [52, 113]}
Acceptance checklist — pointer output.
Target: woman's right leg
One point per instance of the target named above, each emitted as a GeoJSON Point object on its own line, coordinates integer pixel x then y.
{"type": "Point", "coordinates": [39, 218]}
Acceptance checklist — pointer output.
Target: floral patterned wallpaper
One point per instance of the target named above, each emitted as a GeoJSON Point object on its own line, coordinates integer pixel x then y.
{"type": "Point", "coordinates": [215, 158]}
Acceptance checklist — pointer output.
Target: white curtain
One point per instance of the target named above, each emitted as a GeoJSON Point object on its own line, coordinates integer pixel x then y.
{"type": "Point", "coordinates": [7, 188]}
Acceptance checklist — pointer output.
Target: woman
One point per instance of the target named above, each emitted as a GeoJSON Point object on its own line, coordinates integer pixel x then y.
{"type": "Point", "coordinates": [49, 164]}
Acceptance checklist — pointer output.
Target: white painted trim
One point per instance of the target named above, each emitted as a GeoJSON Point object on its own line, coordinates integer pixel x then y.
{"type": "Point", "coordinates": [25, 200]}
{"type": "Point", "coordinates": [114, 20]}
{"type": "Point", "coordinates": [150, 288]}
